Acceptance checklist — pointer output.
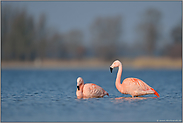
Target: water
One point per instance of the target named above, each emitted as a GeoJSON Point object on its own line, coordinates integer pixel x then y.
{"type": "Point", "coordinates": [49, 95]}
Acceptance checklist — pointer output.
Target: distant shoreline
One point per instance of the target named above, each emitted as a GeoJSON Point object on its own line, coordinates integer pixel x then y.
{"type": "Point", "coordinates": [132, 63]}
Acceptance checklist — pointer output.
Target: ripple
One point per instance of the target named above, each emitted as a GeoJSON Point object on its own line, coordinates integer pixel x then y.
{"type": "Point", "coordinates": [42, 100]}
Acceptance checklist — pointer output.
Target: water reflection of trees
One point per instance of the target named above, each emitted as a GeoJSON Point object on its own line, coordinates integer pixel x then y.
{"type": "Point", "coordinates": [23, 38]}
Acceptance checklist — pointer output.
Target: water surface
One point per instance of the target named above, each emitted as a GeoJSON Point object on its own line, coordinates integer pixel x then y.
{"type": "Point", "coordinates": [49, 95]}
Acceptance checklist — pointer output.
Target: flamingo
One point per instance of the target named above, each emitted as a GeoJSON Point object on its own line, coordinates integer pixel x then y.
{"type": "Point", "coordinates": [132, 86]}
{"type": "Point", "coordinates": [89, 90]}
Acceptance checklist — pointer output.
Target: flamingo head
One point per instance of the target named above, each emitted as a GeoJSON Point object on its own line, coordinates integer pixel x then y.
{"type": "Point", "coordinates": [116, 63]}
{"type": "Point", "coordinates": [79, 82]}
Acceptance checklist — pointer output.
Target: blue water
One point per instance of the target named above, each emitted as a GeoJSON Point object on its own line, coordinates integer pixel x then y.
{"type": "Point", "coordinates": [49, 95]}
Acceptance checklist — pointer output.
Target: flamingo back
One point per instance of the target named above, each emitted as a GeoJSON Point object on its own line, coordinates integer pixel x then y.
{"type": "Point", "coordinates": [92, 90]}
{"type": "Point", "coordinates": [136, 87]}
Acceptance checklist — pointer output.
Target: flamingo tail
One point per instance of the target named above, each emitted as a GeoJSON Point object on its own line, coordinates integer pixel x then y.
{"type": "Point", "coordinates": [155, 93]}
{"type": "Point", "coordinates": [106, 93]}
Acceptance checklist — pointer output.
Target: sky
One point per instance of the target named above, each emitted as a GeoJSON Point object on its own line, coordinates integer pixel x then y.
{"type": "Point", "coordinates": [66, 16]}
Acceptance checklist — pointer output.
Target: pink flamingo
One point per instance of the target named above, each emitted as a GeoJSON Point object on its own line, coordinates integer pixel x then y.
{"type": "Point", "coordinates": [132, 86]}
{"type": "Point", "coordinates": [89, 90]}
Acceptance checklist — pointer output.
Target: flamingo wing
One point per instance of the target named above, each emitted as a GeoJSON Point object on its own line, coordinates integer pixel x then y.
{"type": "Point", "coordinates": [93, 90]}
{"type": "Point", "coordinates": [139, 87]}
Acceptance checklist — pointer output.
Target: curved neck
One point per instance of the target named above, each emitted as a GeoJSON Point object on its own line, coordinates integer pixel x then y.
{"type": "Point", "coordinates": [79, 92]}
{"type": "Point", "coordinates": [118, 78]}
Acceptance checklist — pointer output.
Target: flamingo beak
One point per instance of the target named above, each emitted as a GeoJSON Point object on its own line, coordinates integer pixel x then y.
{"type": "Point", "coordinates": [78, 87]}
{"type": "Point", "coordinates": [111, 69]}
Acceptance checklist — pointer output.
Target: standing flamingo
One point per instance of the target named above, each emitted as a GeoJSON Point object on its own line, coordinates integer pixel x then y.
{"type": "Point", "coordinates": [89, 90]}
{"type": "Point", "coordinates": [132, 86]}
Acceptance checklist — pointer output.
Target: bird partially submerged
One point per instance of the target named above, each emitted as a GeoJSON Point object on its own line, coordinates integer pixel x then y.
{"type": "Point", "coordinates": [89, 90]}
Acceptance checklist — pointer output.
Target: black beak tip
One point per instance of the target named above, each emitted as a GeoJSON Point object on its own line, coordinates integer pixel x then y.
{"type": "Point", "coordinates": [78, 87]}
{"type": "Point", "coordinates": [111, 69]}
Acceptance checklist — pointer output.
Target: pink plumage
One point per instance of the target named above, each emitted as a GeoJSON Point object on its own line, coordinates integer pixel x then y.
{"type": "Point", "coordinates": [89, 90]}
{"type": "Point", "coordinates": [132, 86]}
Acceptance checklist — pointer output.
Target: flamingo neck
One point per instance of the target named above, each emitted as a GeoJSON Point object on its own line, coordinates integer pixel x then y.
{"type": "Point", "coordinates": [81, 88]}
{"type": "Point", "coordinates": [118, 78]}
{"type": "Point", "coordinates": [80, 92]}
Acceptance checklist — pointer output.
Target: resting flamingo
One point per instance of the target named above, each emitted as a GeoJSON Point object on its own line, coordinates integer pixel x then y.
{"type": "Point", "coordinates": [132, 86]}
{"type": "Point", "coordinates": [89, 90]}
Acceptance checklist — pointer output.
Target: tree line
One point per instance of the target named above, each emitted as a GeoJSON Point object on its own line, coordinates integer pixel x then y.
{"type": "Point", "coordinates": [25, 39]}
